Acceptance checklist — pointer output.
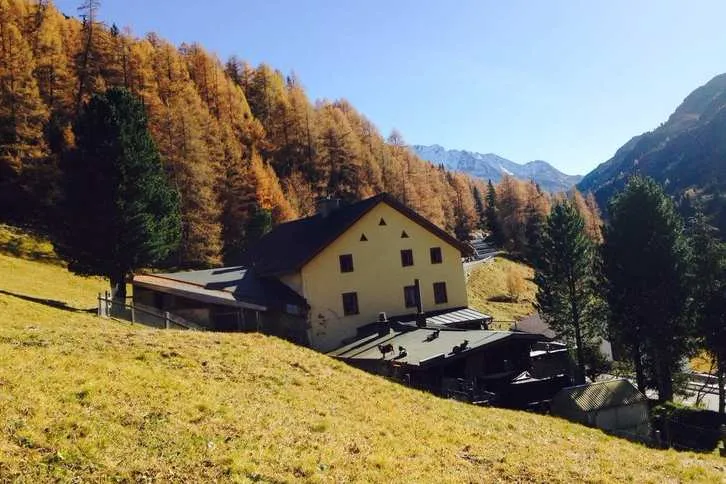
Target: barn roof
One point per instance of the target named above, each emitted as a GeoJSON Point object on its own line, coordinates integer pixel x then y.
{"type": "Point", "coordinates": [601, 395]}
{"type": "Point", "coordinates": [535, 324]}
{"type": "Point", "coordinates": [289, 246]}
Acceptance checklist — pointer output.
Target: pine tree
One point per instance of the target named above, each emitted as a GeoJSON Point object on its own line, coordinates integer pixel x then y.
{"type": "Point", "coordinates": [708, 289]}
{"type": "Point", "coordinates": [566, 282]}
{"type": "Point", "coordinates": [646, 259]}
{"type": "Point", "coordinates": [86, 61]}
{"type": "Point", "coordinates": [492, 215]}
{"type": "Point", "coordinates": [120, 210]}
{"type": "Point", "coordinates": [479, 206]}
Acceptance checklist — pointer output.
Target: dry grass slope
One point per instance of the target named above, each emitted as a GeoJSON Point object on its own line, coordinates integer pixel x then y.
{"type": "Point", "coordinates": [20, 243]}
{"type": "Point", "coordinates": [98, 400]}
{"type": "Point", "coordinates": [488, 291]}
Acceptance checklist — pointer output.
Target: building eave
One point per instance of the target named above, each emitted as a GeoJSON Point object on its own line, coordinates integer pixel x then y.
{"type": "Point", "coordinates": [193, 291]}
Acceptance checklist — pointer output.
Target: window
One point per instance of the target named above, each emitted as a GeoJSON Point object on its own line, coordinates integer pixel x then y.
{"type": "Point", "coordinates": [410, 296]}
{"type": "Point", "coordinates": [406, 257]}
{"type": "Point", "coordinates": [440, 293]}
{"type": "Point", "coordinates": [346, 263]}
{"type": "Point", "coordinates": [350, 303]}
{"type": "Point", "coordinates": [436, 257]}
{"type": "Point", "coordinates": [404, 235]}
{"type": "Point", "coordinates": [363, 238]}
{"type": "Point", "coordinates": [382, 222]}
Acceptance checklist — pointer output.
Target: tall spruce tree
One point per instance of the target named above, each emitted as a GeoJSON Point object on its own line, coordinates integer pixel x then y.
{"type": "Point", "coordinates": [708, 289]}
{"type": "Point", "coordinates": [566, 282]}
{"type": "Point", "coordinates": [491, 215]}
{"type": "Point", "coordinates": [480, 207]}
{"type": "Point", "coordinates": [646, 261]}
{"type": "Point", "coordinates": [119, 211]}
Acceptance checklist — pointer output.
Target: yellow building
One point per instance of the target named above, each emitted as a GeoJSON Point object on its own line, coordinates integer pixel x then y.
{"type": "Point", "coordinates": [354, 262]}
{"type": "Point", "coordinates": [347, 263]}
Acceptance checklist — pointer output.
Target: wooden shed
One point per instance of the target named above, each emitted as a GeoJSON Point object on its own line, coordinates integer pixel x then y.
{"type": "Point", "coordinates": [613, 405]}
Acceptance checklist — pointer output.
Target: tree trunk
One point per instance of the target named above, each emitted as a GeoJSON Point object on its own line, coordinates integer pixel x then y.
{"type": "Point", "coordinates": [639, 377]}
{"type": "Point", "coordinates": [721, 375]}
{"type": "Point", "coordinates": [665, 380]}
{"type": "Point", "coordinates": [118, 287]}
{"type": "Point", "coordinates": [580, 377]}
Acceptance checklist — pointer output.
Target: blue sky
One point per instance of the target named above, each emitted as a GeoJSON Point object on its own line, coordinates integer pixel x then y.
{"type": "Point", "coordinates": [564, 81]}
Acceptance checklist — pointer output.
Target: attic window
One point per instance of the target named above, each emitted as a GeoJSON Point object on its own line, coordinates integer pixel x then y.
{"type": "Point", "coordinates": [382, 222]}
{"type": "Point", "coordinates": [404, 235]}
{"type": "Point", "coordinates": [363, 238]}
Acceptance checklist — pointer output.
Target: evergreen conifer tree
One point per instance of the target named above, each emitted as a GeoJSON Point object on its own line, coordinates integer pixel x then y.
{"type": "Point", "coordinates": [646, 260]}
{"type": "Point", "coordinates": [491, 214]}
{"type": "Point", "coordinates": [119, 211]}
{"type": "Point", "coordinates": [566, 282]}
{"type": "Point", "coordinates": [480, 207]}
{"type": "Point", "coordinates": [708, 288]}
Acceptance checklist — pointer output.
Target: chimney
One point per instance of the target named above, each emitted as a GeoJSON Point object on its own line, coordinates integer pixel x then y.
{"type": "Point", "coordinates": [384, 326]}
{"type": "Point", "coordinates": [327, 205]}
{"type": "Point", "coordinates": [420, 318]}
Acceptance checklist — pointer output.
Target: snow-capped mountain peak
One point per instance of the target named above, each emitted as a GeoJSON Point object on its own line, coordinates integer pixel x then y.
{"type": "Point", "coordinates": [493, 167]}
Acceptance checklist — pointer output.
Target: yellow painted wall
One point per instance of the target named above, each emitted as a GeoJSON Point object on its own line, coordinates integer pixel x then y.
{"type": "Point", "coordinates": [378, 276]}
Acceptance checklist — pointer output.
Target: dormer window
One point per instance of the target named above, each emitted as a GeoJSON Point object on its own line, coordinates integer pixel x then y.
{"type": "Point", "coordinates": [346, 262]}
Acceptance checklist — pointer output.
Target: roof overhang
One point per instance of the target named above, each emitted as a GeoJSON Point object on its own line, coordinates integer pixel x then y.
{"type": "Point", "coordinates": [193, 291]}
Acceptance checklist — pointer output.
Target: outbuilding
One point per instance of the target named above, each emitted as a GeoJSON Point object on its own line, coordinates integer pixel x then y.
{"type": "Point", "coordinates": [613, 405]}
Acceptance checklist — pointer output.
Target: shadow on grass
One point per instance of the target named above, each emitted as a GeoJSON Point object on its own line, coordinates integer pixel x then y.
{"type": "Point", "coordinates": [49, 302]}
{"type": "Point", "coordinates": [502, 298]}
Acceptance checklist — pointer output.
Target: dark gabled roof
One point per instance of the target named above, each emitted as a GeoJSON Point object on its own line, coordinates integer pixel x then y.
{"type": "Point", "coordinates": [289, 246]}
{"type": "Point", "coordinates": [228, 284]}
{"type": "Point", "coordinates": [601, 395]}
{"type": "Point", "coordinates": [534, 324]}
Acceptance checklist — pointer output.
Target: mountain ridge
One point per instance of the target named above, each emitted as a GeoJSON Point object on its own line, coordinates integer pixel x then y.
{"type": "Point", "coordinates": [493, 167]}
{"type": "Point", "coordinates": [685, 154]}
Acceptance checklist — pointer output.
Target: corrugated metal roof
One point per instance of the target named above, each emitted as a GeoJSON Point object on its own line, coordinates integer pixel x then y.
{"type": "Point", "coordinates": [596, 396]}
{"type": "Point", "coordinates": [456, 316]}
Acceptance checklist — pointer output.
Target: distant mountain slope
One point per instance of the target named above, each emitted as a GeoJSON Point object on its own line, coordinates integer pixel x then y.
{"type": "Point", "coordinates": [491, 166]}
{"type": "Point", "coordinates": [687, 153]}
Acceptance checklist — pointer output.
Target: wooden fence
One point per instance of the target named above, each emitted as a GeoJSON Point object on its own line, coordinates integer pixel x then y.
{"type": "Point", "coordinates": [141, 314]}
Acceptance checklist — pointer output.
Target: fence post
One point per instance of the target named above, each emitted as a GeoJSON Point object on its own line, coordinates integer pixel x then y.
{"type": "Point", "coordinates": [99, 304]}
{"type": "Point", "coordinates": [166, 319]}
{"type": "Point", "coordinates": [133, 313]}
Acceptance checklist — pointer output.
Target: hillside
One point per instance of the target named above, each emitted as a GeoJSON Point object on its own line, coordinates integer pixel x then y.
{"type": "Point", "coordinates": [488, 291]}
{"type": "Point", "coordinates": [90, 399]}
{"type": "Point", "coordinates": [492, 167]}
{"type": "Point", "coordinates": [685, 153]}
{"type": "Point", "coordinates": [234, 138]}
